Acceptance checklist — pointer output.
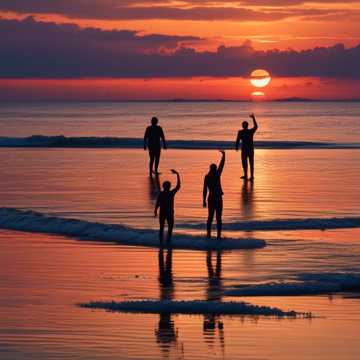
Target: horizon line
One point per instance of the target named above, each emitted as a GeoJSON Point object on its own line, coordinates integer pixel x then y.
{"type": "Point", "coordinates": [291, 99]}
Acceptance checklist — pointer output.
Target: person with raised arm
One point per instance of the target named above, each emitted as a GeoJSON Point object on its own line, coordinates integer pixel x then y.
{"type": "Point", "coordinates": [152, 141]}
{"type": "Point", "coordinates": [165, 202]}
{"type": "Point", "coordinates": [214, 203]}
{"type": "Point", "coordinates": [246, 136]}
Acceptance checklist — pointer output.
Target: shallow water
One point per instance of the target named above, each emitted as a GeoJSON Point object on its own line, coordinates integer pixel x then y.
{"type": "Point", "coordinates": [39, 318]}
{"type": "Point", "coordinates": [301, 121]}
{"type": "Point", "coordinates": [44, 276]}
{"type": "Point", "coordinates": [99, 184]}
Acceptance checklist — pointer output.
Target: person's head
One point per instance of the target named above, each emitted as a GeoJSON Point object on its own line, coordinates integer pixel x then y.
{"type": "Point", "coordinates": [245, 125]}
{"type": "Point", "coordinates": [212, 168]}
{"type": "Point", "coordinates": [154, 121]}
{"type": "Point", "coordinates": [166, 185]}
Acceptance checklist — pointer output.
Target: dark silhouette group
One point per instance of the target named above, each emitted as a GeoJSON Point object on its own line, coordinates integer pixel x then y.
{"type": "Point", "coordinates": [212, 190]}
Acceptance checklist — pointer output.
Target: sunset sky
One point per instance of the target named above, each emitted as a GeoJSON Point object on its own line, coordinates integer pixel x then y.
{"type": "Point", "coordinates": [167, 49]}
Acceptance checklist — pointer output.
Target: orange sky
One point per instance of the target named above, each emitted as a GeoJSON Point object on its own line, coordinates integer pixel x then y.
{"type": "Point", "coordinates": [169, 89]}
{"type": "Point", "coordinates": [308, 24]}
{"type": "Point", "coordinates": [278, 24]}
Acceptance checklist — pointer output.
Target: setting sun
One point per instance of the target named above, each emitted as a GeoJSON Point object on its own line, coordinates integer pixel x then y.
{"type": "Point", "coordinates": [260, 78]}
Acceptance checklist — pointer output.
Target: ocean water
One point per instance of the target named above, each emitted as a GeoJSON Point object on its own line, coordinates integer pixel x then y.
{"type": "Point", "coordinates": [305, 203]}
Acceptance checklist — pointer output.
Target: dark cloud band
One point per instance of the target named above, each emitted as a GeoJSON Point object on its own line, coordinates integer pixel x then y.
{"type": "Point", "coordinates": [32, 49]}
{"type": "Point", "coordinates": [196, 10]}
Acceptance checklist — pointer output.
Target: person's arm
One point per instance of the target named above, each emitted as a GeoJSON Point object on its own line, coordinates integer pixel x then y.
{"type": "Point", "coordinates": [222, 162]}
{"type": "Point", "coordinates": [204, 193]}
{"type": "Point", "coordinates": [255, 123]}
{"type": "Point", "coordinates": [163, 138]}
{"type": "Point", "coordinates": [146, 135]}
{"type": "Point", "coordinates": [178, 185]}
{"type": "Point", "coordinates": [238, 140]}
{"type": "Point", "coordinates": [157, 205]}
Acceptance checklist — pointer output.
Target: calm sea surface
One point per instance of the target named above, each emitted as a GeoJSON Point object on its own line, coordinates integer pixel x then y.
{"type": "Point", "coordinates": [43, 277]}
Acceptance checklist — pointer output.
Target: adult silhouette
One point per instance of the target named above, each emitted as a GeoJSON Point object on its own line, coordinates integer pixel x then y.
{"type": "Point", "coordinates": [165, 202]}
{"type": "Point", "coordinates": [152, 141]}
{"type": "Point", "coordinates": [246, 136]}
{"type": "Point", "coordinates": [212, 184]}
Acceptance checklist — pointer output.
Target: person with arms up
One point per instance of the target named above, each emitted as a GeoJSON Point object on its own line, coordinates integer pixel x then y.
{"type": "Point", "coordinates": [152, 141]}
{"type": "Point", "coordinates": [212, 185]}
{"type": "Point", "coordinates": [165, 202]}
{"type": "Point", "coordinates": [246, 136]}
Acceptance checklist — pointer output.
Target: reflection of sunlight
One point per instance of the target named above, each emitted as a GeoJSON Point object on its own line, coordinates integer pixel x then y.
{"type": "Point", "coordinates": [258, 94]}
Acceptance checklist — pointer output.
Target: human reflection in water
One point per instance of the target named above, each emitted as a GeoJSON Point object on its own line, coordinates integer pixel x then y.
{"type": "Point", "coordinates": [247, 201]}
{"type": "Point", "coordinates": [166, 334]}
{"type": "Point", "coordinates": [214, 292]}
{"type": "Point", "coordinates": [154, 188]}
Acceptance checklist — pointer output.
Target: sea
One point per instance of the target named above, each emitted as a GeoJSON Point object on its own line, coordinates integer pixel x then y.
{"type": "Point", "coordinates": [82, 273]}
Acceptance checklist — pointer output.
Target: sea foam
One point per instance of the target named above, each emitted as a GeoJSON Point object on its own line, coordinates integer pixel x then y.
{"type": "Point", "coordinates": [190, 307]}
{"type": "Point", "coordinates": [303, 284]}
{"type": "Point", "coordinates": [32, 221]}
{"type": "Point", "coordinates": [285, 224]}
{"type": "Point", "coordinates": [61, 141]}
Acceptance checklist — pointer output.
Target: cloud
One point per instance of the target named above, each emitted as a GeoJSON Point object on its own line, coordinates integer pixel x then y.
{"type": "Point", "coordinates": [247, 10]}
{"type": "Point", "coordinates": [32, 49]}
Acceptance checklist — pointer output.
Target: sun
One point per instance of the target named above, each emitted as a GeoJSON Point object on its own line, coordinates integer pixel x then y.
{"type": "Point", "coordinates": [260, 78]}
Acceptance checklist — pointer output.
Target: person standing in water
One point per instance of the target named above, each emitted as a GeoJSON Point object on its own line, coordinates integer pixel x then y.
{"type": "Point", "coordinates": [212, 184]}
{"type": "Point", "coordinates": [152, 138]}
{"type": "Point", "coordinates": [246, 136]}
{"type": "Point", "coordinates": [165, 202]}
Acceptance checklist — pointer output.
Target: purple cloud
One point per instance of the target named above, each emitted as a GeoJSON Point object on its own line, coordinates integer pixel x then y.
{"type": "Point", "coordinates": [32, 49]}
{"type": "Point", "coordinates": [247, 10]}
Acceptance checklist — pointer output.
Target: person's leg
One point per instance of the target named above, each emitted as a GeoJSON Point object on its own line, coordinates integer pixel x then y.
{"type": "Point", "coordinates": [151, 161]}
{"type": "Point", "coordinates": [161, 230]}
{"type": "Point", "coordinates": [170, 221]}
{"type": "Point", "coordinates": [219, 207]}
{"type": "Point", "coordinates": [157, 160]}
{"type": "Point", "coordinates": [211, 211]}
{"type": "Point", "coordinates": [244, 163]}
{"type": "Point", "coordinates": [251, 161]}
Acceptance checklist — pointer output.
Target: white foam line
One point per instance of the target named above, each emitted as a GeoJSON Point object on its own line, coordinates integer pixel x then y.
{"type": "Point", "coordinates": [31, 221]}
{"type": "Point", "coordinates": [190, 307]}
{"type": "Point", "coordinates": [305, 284]}
{"type": "Point", "coordinates": [285, 224]}
{"type": "Point", "coordinates": [114, 142]}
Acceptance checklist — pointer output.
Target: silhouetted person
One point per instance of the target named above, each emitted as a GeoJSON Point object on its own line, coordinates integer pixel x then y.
{"type": "Point", "coordinates": [152, 141]}
{"type": "Point", "coordinates": [212, 183]}
{"type": "Point", "coordinates": [246, 136]}
{"type": "Point", "coordinates": [166, 332]}
{"type": "Point", "coordinates": [165, 202]}
{"type": "Point", "coordinates": [214, 292]}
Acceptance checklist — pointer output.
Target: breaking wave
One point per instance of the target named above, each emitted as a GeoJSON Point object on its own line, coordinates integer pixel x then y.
{"type": "Point", "coordinates": [32, 221]}
{"type": "Point", "coordinates": [190, 307]}
{"type": "Point", "coordinates": [286, 224]}
{"type": "Point", "coordinates": [304, 284]}
{"type": "Point", "coordinates": [115, 142]}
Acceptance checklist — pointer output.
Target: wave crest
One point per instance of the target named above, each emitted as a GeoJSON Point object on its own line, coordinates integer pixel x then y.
{"type": "Point", "coordinates": [286, 224]}
{"type": "Point", "coordinates": [305, 284]}
{"type": "Point", "coordinates": [115, 142]}
{"type": "Point", "coordinates": [15, 219]}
